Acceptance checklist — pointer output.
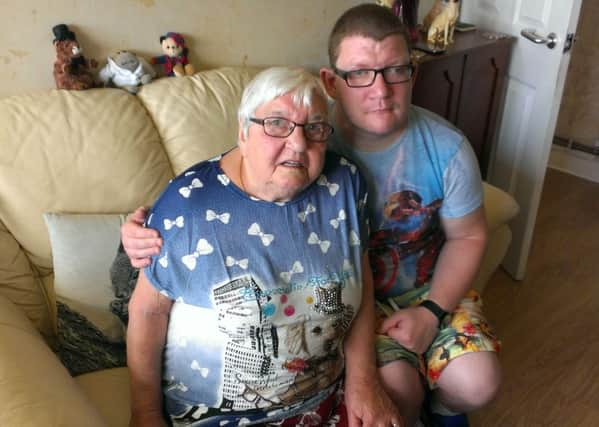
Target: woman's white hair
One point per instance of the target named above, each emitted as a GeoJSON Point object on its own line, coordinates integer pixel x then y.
{"type": "Point", "coordinates": [274, 82]}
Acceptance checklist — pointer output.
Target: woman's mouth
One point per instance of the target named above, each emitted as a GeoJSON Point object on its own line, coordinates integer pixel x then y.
{"type": "Point", "coordinates": [292, 164]}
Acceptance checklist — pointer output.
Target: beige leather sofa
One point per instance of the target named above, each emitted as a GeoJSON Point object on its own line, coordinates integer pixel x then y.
{"type": "Point", "coordinates": [104, 151]}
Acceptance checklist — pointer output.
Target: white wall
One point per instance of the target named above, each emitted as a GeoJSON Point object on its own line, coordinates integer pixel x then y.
{"type": "Point", "coordinates": [218, 32]}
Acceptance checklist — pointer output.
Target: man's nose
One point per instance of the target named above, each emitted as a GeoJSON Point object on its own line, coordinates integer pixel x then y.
{"type": "Point", "coordinates": [380, 86]}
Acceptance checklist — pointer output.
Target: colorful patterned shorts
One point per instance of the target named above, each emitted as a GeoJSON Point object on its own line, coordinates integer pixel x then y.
{"type": "Point", "coordinates": [463, 331]}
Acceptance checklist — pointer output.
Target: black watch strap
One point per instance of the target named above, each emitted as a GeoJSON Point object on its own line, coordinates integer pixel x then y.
{"type": "Point", "coordinates": [434, 308]}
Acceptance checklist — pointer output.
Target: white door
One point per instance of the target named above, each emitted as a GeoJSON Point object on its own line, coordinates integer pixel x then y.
{"type": "Point", "coordinates": [534, 89]}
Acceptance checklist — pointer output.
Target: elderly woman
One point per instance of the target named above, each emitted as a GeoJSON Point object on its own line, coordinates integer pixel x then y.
{"type": "Point", "coordinates": [259, 308]}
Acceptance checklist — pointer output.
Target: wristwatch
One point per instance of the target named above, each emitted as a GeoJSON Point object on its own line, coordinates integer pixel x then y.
{"type": "Point", "coordinates": [434, 308]}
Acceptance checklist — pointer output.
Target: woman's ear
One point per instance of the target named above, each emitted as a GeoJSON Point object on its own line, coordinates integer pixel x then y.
{"type": "Point", "coordinates": [327, 76]}
{"type": "Point", "coordinates": [241, 138]}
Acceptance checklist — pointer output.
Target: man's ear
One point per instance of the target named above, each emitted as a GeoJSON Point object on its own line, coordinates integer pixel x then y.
{"type": "Point", "coordinates": [327, 76]}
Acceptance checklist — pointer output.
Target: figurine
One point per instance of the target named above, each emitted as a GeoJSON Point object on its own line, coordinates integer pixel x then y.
{"type": "Point", "coordinates": [439, 23]}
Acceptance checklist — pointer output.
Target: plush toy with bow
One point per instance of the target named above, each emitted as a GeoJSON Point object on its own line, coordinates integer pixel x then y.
{"type": "Point", "coordinates": [71, 69]}
{"type": "Point", "coordinates": [174, 61]}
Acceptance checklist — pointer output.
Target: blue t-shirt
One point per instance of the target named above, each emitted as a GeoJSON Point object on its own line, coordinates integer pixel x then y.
{"type": "Point", "coordinates": [428, 173]}
{"type": "Point", "coordinates": [263, 293]}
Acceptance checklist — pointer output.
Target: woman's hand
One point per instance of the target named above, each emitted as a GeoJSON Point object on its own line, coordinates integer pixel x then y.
{"type": "Point", "coordinates": [368, 404]}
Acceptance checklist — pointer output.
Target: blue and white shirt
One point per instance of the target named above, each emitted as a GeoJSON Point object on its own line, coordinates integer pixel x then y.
{"type": "Point", "coordinates": [263, 293]}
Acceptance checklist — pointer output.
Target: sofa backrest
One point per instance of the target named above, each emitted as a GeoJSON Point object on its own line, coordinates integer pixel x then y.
{"type": "Point", "coordinates": [98, 151]}
{"type": "Point", "coordinates": [196, 117]}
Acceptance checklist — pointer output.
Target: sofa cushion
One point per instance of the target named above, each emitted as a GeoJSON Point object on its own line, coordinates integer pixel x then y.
{"type": "Point", "coordinates": [197, 116]}
{"type": "Point", "coordinates": [90, 151]}
{"type": "Point", "coordinates": [22, 285]}
{"type": "Point", "coordinates": [109, 391]}
{"type": "Point", "coordinates": [83, 248]}
{"type": "Point", "coordinates": [35, 389]}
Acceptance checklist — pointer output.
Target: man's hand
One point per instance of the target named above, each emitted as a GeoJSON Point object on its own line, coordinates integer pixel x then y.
{"type": "Point", "coordinates": [139, 242]}
{"type": "Point", "coordinates": [412, 327]}
{"type": "Point", "coordinates": [368, 405]}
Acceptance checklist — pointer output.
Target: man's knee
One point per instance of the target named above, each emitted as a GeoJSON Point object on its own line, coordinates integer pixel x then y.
{"type": "Point", "coordinates": [470, 381]}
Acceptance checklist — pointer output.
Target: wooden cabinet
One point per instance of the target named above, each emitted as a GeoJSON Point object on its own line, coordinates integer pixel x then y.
{"type": "Point", "coordinates": [465, 85]}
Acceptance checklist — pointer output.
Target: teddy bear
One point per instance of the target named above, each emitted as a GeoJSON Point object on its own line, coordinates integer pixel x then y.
{"type": "Point", "coordinates": [126, 70]}
{"type": "Point", "coordinates": [174, 61]}
{"type": "Point", "coordinates": [71, 69]}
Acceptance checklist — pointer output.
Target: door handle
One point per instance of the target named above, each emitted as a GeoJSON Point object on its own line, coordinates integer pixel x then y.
{"type": "Point", "coordinates": [531, 34]}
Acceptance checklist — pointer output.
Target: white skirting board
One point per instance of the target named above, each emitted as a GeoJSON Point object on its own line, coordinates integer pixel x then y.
{"type": "Point", "coordinates": [574, 162]}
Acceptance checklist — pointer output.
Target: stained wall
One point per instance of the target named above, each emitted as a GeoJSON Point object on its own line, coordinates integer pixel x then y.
{"type": "Point", "coordinates": [218, 32]}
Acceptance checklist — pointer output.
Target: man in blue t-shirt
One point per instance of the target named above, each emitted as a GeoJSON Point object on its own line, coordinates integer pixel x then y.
{"type": "Point", "coordinates": [428, 229]}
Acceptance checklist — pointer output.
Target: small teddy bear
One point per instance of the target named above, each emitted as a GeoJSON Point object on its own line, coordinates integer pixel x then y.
{"type": "Point", "coordinates": [126, 70]}
{"type": "Point", "coordinates": [71, 69]}
{"type": "Point", "coordinates": [174, 61]}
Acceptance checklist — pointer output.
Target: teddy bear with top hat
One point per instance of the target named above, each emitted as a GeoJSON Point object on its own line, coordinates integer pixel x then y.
{"type": "Point", "coordinates": [174, 60]}
{"type": "Point", "coordinates": [71, 69]}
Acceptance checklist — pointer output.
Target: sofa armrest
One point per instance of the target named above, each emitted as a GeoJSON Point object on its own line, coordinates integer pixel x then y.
{"type": "Point", "coordinates": [500, 207]}
{"type": "Point", "coordinates": [35, 389]}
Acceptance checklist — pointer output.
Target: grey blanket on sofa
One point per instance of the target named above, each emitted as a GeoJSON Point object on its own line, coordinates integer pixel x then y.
{"type": "Point", "coordinates": [82, 348]}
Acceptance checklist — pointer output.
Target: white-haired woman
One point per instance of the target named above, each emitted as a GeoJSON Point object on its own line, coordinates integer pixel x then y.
{"type": "Point", "coordinates": [259, 307]}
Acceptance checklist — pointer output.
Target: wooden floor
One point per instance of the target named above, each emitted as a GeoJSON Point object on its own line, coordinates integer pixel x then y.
{"type": "Point", "coordinates": [549, 323]}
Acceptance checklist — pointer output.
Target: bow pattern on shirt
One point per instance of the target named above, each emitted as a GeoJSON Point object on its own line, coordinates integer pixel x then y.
{"type": "Point", "coordinates": [313, 239]}
{"type": "Point", "coordinates": [341, 217]}
{"type": "Point", "coordinates": [224, 179]}
{"type": "Point", "coordinates": [163, 260]}
{"type": "Point", "coordinates": [309, 209]}
{"type": "Point", "coordinates": [179, 222]}
{"type": "Point", "coordinates": [186, 190]}
{"type": "Point", "coordinates": [230, 262]}
{"type": "Point", "coordinates": [296, 268]}
{"type": "Point", "coordinates": [333, 188]}
{"type": "Point", "coordinates": [354, 240]}
{"type": "Point", "coordinates": [202, 248]}
{"type": "Point", "coordinates": [343, 161]}
{"type": "Point", "coordinates": [255, 230]}
{"type": "Point", "coordinates": [211, 216]}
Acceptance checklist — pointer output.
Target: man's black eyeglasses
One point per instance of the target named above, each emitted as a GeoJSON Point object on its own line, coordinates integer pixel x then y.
{"type": "Point", "coordinates": [365, 77]}
{"type": "Point", "coordinates": [280, 127]}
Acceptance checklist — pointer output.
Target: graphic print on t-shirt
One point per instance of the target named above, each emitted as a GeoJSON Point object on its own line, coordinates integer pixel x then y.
{"type": "Point", "coordinates": [410, 238]}
{"type": "Point", "coordinates": [308, 349]}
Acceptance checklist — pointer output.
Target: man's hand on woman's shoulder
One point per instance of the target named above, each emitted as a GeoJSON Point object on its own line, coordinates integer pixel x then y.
{"type": "Point", "coordinates": [140, 243]}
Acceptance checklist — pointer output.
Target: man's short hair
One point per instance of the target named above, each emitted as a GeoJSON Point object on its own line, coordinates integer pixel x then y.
{"type": "Point", "coordinates": [367, 20]}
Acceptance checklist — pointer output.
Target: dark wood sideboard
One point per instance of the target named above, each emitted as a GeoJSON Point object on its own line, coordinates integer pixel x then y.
{"type": "Point", "coordinates": [465, 85]}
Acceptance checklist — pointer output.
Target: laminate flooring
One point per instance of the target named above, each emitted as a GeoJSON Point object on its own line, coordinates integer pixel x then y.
{"type": "Point", "coordinates": [549, 322]}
